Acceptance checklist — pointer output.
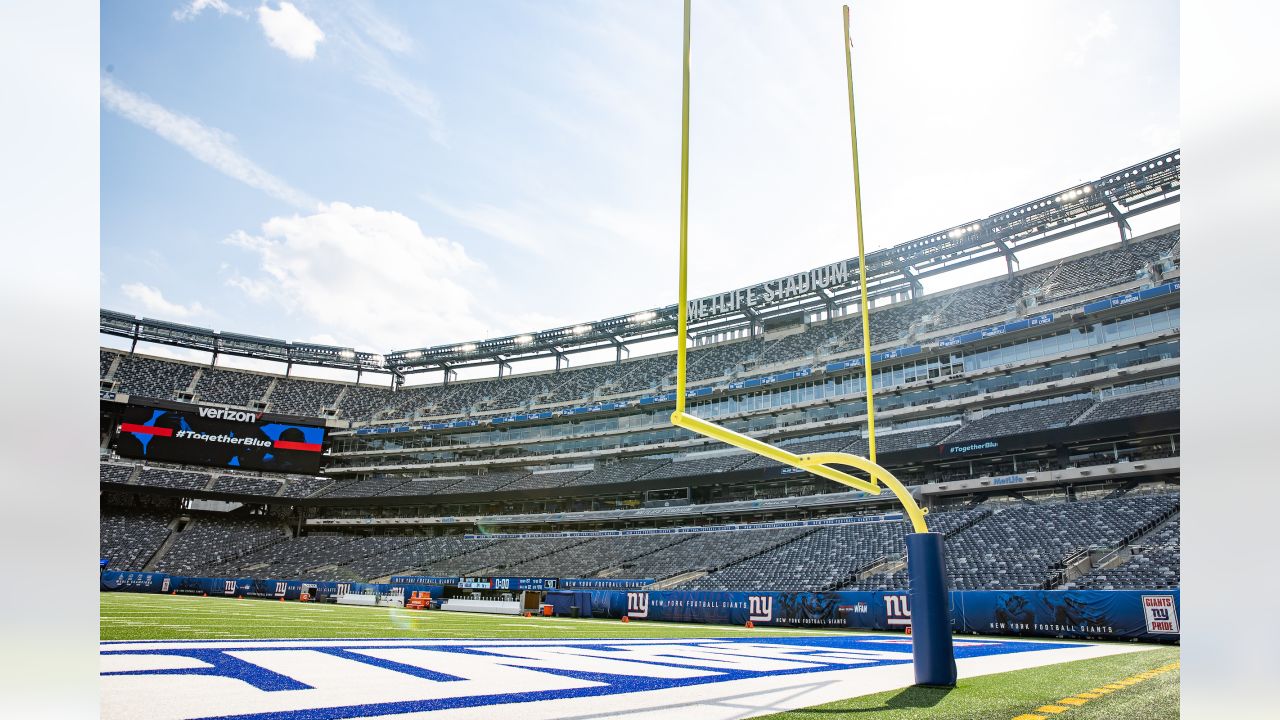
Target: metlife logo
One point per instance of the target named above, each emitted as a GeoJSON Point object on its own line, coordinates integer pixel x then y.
{"type": "Point", "coordinates": [331, 679]}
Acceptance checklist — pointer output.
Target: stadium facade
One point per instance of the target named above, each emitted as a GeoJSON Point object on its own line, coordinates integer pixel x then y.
{"type": "Point", "coordinates": [1035, 414]}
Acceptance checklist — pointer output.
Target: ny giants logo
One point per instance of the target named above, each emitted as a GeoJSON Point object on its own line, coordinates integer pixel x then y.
{"type": "Point", "coordinates": [760, 608]}
{"type": "Point", "coordinates": [637, 604]}
{"type": "Point", "coordinates": [897, 611]}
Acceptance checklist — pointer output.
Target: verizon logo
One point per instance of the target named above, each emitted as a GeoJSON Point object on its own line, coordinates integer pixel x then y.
{"type": "Point", "coordinates": [228, 414]}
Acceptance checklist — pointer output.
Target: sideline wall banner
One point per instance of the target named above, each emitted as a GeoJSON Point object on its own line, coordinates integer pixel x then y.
{"type": "Point", "coordinates": [137, 581]}
{"type": "Point", "coordinates": [1108, 614]}
{"type": "Point", "coordinates": [1116, 614]}
{"type": "Point", "coordinates": [1149, 615]}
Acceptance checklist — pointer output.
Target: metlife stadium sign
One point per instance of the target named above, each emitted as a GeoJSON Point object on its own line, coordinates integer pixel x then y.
{"type": "Point", "coordinates": [711, 679]}
{"type": "Point", "coordinates": [772, 291]}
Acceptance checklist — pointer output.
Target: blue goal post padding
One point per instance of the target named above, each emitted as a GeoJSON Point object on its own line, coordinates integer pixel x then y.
{"type": "Point", "coordinates": [932, 653]}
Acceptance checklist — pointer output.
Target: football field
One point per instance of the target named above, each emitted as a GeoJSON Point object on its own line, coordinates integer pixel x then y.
{"type": "Point", "coordinates": [193, 657]}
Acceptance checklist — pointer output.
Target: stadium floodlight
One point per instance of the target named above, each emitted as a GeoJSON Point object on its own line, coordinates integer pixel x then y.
{"type": "Point", "coordinates": [347, 354]}
{"type": "Point", "coordinates": [413, 354]}
{"type": "Point", "coordinates": [645, 316]}
{"type": "Point", "coordinates": [467, 347]}
{"type": "Point", "coordinates": [524, 339]}
{"type": "Point", "coordinates": [932, 649]}
{"type": "Point", "coordinates": [581, 329]}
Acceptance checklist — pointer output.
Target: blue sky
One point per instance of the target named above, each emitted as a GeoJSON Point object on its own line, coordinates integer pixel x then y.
{"type": "Point", "coordinates": [398, 174]}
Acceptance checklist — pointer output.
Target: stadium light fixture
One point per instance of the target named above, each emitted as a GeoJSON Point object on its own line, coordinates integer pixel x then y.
{"type": "Point", "coordinates": [524, 339]}
{"type": "Point", "coordinates": [645, 316]}
{"type": "Point", "coordinates": [467, 347]}
{"type": "Point", "coordinates": [413, 354]}
{"type": "Point", "coordinates": [347, 354]}
{"type": "Point", "coordinates": [582, 330]}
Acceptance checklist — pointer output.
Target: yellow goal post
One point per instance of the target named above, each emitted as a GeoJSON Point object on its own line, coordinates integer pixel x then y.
{"type": "Point", "coordinates": [822, 464]}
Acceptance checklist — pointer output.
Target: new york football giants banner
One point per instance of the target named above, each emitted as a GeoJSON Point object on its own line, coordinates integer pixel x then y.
{"type": "Point", "coordinates": [1119, 614]}
{"type": "Point", "coordinates": [147, 582]}
{"type": "Point", "coordinates": [603, 583]}
{"type": "Point", "coordinates": [1109, 614]}
{"type": "Point", "coordinates": [866, 610]}
{"type": "Point", "coordinates": [1150, 615]}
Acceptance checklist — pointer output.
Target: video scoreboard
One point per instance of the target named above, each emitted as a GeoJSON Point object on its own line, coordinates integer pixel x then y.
{"type": "Point", "coordinates": [219, 437]}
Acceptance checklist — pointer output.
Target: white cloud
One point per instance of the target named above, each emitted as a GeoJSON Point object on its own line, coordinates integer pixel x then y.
{"type": "Point", "coordinates": [1101, 28]}
{"type": "Point", "coordinates": [193, 9]}
{"type": "Point", "coordinates": [378, 28]}
{"type": "Point", "coordinates": [1160, 138]}
{"type": "Point", "coordinates": [208, 145]}
{"type": "Point", "coordinates": [291, 31]}
{"type": "Point", "coordinates": [177, 353]}
{"type": "Point", "coordinates": [365, 42]}
{"type": "Point", "coordinates": [376, 71]}
{"type": "Point", "coordinates": [370, 278]}
{"type": "Point", "coordinates": [256, 290]}
{"type": "Point", "coordinates": [154, 304]}
{"type": "Point", "coordinates": [510, 226]}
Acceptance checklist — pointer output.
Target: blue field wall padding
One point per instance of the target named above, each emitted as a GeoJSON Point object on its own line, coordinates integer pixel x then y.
{"type": "Point", "coordinates": [1147, 615]}
{"type": "Point", "coordinates": [933, 655]}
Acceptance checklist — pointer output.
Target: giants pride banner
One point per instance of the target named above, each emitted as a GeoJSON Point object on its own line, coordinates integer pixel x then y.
{"type": "Point", "coordinates": [219, 437]}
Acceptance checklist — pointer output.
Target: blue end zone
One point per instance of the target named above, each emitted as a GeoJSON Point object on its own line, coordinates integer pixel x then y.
{"type": "Point", "coordinates": [717, 660]}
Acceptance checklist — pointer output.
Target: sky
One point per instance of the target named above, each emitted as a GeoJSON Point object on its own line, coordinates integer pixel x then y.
{"type": "Point", "coordinates": [391, 175]}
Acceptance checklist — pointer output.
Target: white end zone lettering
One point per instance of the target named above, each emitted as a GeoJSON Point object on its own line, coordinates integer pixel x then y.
{"type": "Point", "coordinates": [549, 679]}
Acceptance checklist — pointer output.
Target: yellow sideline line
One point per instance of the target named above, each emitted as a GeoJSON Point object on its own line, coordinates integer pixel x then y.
{"type": "Point", "coordinates": [1081, 698]}
{"type": "Point", "coordinates": [819, 464]}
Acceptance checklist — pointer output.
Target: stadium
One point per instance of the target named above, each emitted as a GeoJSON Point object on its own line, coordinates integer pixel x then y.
{"type": "Point", "coordinates": [410, 534]}
{"type": "Point", "coordinates": [432, 437]}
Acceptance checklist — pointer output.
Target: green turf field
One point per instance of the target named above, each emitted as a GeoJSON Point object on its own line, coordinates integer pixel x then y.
{"type": "Point", "coordinates": [1124, 687]}
{"type": "Point", "coordinates": [1020, 694]}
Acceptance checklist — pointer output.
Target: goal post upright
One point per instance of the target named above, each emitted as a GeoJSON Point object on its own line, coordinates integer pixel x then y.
{"type": "Point", "coordinates": [862, 251]}
{"type": "Point", "coordinates": [932, 651]}
{"type": "Point", "coordinates": [682, 336]}
{"type": "Point", "coordinates": [820, 464]}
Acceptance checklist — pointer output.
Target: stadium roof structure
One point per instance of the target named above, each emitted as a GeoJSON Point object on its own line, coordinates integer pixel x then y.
{"type": "Point", "coordinates": [892, 272]}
